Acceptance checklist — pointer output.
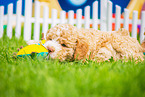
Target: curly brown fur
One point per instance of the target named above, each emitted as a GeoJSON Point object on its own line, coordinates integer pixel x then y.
{"type": "Point", "coordinates": [74, 43]}
{"type": "Point", "coordinates": [143, 45]}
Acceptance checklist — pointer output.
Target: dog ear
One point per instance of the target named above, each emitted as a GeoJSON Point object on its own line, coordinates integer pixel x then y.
{"type": "Point", "coordinates": [82, 49]}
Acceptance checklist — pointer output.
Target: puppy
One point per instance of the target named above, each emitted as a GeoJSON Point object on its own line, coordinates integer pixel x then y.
{"type": "Point", "coordinates": [67, 42]}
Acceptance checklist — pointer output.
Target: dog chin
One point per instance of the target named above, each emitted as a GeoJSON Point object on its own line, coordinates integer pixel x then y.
{"type": "Point", "coordinates": [54, 45]}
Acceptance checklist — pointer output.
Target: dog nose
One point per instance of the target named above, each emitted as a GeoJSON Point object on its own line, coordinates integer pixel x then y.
{"type": "Point", "coordinates": [50, 49]}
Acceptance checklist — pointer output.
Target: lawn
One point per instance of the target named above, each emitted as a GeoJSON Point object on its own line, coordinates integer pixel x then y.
{"type": "Point", "coordinates": [26, 77]}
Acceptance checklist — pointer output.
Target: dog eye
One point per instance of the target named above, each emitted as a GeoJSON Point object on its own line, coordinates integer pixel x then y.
{"type": "Point", "coordinates": [63, 45]}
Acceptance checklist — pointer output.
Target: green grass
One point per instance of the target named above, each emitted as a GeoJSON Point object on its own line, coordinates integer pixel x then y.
{"type": "Point", "coordinates": [26, 77]}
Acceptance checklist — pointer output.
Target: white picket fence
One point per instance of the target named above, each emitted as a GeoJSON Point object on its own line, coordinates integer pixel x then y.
{"type": "Point", "coordinates": [105, 20]}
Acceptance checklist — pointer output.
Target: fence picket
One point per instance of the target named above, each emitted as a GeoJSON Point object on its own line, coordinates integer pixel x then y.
{"type": "Point", "coordinates": [87, 17]}
{"type": "Point", "coordinates": [9, 24]}
{"type": "Point", "coordinates": [1, 20]}
{"type": "Point", "coordinates": [18, 19]}
{"type": "Point", "coordinates": [37, 23]}
{"type": "Point", "coordinates": [53, 17]}
{"type": "Point", "coordinates": [117, 17]}
{"type": "Point", "coordinates": [27, 20]}
{"type": "Point", "coordinates": [103, 24]}
{"type": "Point", "coordinates": [134, 24]}
{"type": "Point", "coordinates": [142, 26]}
{"type": "Point", "coordinates": [79, 18]}
{"type": "Point", "coordinates": [105, 19]}
{"type": "Point", "coordinates": [62, 17]}
{"type": "Point", "coordinates": [109, 16]}
{"type": "Point", "coordinates": [126, 18]}
{"type": "Point", "coordinates": [95, 15]}
{"type": "Point", "coordinates": [45, 20]}
{"type": "Point", "coordinates": [71, 17]}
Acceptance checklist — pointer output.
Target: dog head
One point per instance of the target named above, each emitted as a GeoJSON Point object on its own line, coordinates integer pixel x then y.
{"type": "Point", "coordinates": [64, 43]}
